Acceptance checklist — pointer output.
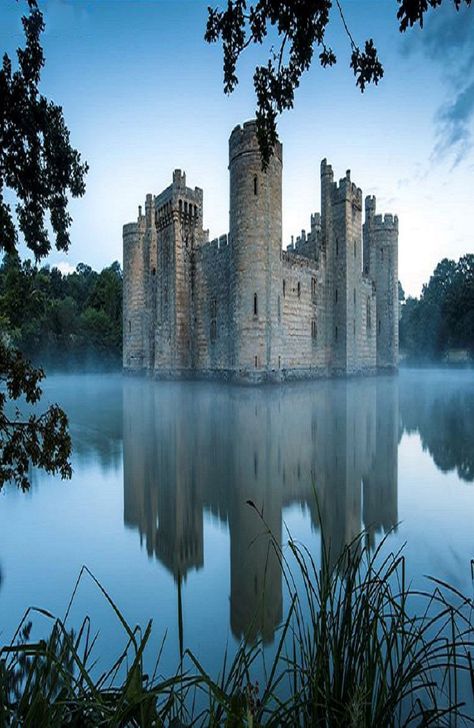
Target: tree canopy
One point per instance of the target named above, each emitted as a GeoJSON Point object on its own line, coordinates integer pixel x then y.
{"type": "Point", "coordinates": [39, 169]}
{"type": "Point", "coordinates": [301, 29]}
{"type": "Point", "coordinates": [442, 319]}
{"type": "Point", "coordinates": [72, 320]}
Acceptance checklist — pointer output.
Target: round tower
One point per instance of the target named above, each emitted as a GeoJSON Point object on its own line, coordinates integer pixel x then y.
{"type": "Point", "coordinates": [255, 238]}
{"type": "Point", "coordinates": [133, 294]}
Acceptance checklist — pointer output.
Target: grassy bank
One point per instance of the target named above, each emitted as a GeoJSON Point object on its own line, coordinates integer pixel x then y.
{"type": "Point", "coordinates": [359, 647]}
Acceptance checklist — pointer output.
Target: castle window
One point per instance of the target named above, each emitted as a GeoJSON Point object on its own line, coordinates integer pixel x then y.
{"type": "Point", "coordinates": [336, 295]}
{"type": "Point", "coordinates": [337, 247]}
{"type": "Point", "coordinates": [279, 362]}
{"type": "Point", "coordinates": [255, 185]}
{"type": "Point", "coordinates": [129, 327]}
{"type": "Point", "coordinates": [256, 361]}
{"type": "Point", "coordinates": [381, 254]}
{"type": "Point", "coordinates": [255, 304]}
{"type": "Point", "coordinates": [354, 327]}
{"type": "Point", "coordinates": [284, 289]}
{"type": "Point", "coordinates": [214, 308]}
{"type": "Point", "coordinates": [313, 288]}
{"type": "Point", "coordinates": [299, 289]}
{"type": "Point", "coordinates": [335, 333]}
{"type": "Point", "coordinates": [213, 330]}
{"type": "Point", "coordinates": [380, 325]}
{"type": "Point", "coordinates": [355, 249]}
{"type": "Point", "coordinates": [195, 211]}
{"type": "Point", "coordinates": [180, 206]}
{"type": "Point", "coordinates": [153, 271]}
{"type": "Point", "coordinates": [369, 315]}
{"type": "Point", "coordinates": [314, 331]}
{"type": "Point", "coordinates": [279, 309]}
{"type": "Point", "coordinates": [185, 208]}
{"type": "Point", "coordinates": [354, 296]}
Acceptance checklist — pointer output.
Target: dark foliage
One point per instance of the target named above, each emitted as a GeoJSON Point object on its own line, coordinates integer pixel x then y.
{"type": "Point", "coordinates": [39, 440]}
{"type": "Point", "coordinates": [442, 318]}
{"type": "Point", "coordinates": [301, 27]}
{"type": "Point", "coordinates": [38, 169]}
{"type": "Point", "coordinates": [68, 320]}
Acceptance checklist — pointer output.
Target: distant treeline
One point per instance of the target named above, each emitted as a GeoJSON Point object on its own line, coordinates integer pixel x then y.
{"type": "Point", "coordinates": [441, 321]}
{"type": "Point", "coordinates": [60, 320]}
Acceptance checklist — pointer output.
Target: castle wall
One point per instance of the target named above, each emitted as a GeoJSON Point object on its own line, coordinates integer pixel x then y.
{"type": "Point", "coordinates": [213, 315]}
{"type": "Point", "coordinates": [303, 324]}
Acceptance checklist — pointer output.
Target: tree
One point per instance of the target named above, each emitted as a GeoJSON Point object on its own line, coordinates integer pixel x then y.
{"type": "Point", "coordinates": [301, 28]}
{"type": "Point", "coordinates": [39, 168]}
{"type": "Point", "coordinates": [443, 317]}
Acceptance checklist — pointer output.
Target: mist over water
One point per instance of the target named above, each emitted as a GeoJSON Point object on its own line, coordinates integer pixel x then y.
{"type": "Point", "coordinates": [163, 473]}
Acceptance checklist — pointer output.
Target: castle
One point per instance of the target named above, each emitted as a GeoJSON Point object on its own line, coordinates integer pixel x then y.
{"type": "Point", "coordinates": [239, 307]}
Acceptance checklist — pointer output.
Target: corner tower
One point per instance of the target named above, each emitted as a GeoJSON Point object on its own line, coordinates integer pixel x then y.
{"type": "Point", "coordinates": [134, 295]}
{"type": "Point", "coordinates": [255, 238]}
{"type": "Point", "coordinates": [381, 264]}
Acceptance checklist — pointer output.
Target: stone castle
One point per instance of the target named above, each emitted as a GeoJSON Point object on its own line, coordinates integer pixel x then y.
{"type": "Point", "coordinates": [239, 307]}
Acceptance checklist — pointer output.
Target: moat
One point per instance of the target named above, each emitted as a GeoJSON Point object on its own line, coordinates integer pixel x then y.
{"type": "Point", "coordinates": [163, 473]}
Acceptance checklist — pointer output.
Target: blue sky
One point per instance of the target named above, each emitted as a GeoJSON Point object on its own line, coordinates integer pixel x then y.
{"type": "Point", "coordinates": [142, 95]}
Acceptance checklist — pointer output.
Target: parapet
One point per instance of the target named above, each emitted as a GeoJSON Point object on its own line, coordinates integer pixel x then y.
{"type": "Point", "coordinates": [370, 206]}
{"type": "Point", "coordinates": [326, 169]}
{"type": "Point", "coordinates": [179, 178]}
{"type": "Point", "coordinates": [386, 222]}
{"type": "Point", "coordinates": [130, 228]}
{"type": "Point", "coordinates": [347, 190]}
{"type": "Point", "coordinates": [244, 140]}
{"type": "Point", "coordinates": [214, 246]}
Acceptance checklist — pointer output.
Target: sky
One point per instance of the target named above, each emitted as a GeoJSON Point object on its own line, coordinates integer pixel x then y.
{"type": "Point", "coordinates": [142, 94]}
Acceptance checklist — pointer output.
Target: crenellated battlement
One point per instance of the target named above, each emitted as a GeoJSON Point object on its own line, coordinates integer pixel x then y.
{"type": "Point", "coordinates": [129, 229]}
{"type": "Point", "coordinates": [326, 169]}
{"type": "Point", "coordinates": [345, 190]}
{"type": "Point", "coordinates": [243, 140]}
{"type": "Point", "coordinates": [386, 222]}
{"type": "Point", "coordinates": [215, 246]}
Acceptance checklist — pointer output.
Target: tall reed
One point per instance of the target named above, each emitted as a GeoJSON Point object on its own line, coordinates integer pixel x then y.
{"type": "Point", "coordinates": [358, 648]}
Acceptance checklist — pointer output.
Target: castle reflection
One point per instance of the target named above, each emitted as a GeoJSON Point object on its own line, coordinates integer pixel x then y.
{"type": "Point", "coordinates": [195, 447]}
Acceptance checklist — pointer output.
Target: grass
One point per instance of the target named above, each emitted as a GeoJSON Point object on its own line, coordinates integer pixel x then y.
{"type": "Point", "coordinates": [350, 653]}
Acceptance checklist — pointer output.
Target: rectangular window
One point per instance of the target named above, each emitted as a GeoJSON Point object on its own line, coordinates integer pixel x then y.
{"type": "Point", "coordinates": [255, 304]}
{"type": "Point", "coordinates": [314, 331]}
{"type": "Point", "coordinates": [213, 330]}
{"type": "Point", "coordinates": [313, 288]}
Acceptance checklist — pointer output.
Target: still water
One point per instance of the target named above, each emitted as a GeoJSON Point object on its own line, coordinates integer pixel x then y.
{"type": "Point", "coordinates": [162, 476]}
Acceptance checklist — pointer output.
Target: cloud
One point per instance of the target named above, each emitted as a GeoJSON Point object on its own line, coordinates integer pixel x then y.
{"type": "Point", "coordinates": [65, 267]}
{"type": "Point", "coordinates": [446, 42]}
{"type": "Point", "coordinates": [454, 125]}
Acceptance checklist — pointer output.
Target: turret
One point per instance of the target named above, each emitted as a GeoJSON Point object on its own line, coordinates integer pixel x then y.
{"type": "Point", "coordinates": [134, 294]}
{"type": "Point", "coordinates": [381, 263]}
{"type": "Point", "coordinates": [255, 239]}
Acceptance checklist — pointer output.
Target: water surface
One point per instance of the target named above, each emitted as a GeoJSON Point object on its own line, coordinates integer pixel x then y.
{"type": "Point", "coordinates": [163, 473]}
